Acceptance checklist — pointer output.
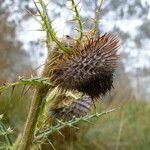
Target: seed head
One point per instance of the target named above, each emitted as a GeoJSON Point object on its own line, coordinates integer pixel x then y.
{"type": "Point", "coordinates": [90, 67]}
{"type": "Point", "coordinates": [76, 109]}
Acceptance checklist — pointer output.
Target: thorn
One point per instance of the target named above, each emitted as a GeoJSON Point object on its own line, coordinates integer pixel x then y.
{"type": "Point", "coordinates": [22, 92]}
{"type": "Point", "coordinates": [61, 134]}
{"type": "Point", "coordinates": [12, 90]}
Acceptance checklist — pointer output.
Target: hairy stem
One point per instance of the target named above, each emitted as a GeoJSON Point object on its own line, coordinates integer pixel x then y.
{"type": "Point", "coordinates": [33, 115]}
{"type": "Point", "coordinates": [32, 118]}
{"type": "Point", "coordinates": [97, 15]}
{"type": "Point", "coordinates": [70, 123]}
{"type": "Point", "coordinates": [78, 18]}
{"type": "Point", "coordinates": [6, 135]}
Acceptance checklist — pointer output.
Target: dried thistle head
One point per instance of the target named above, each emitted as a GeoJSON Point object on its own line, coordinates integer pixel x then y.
{"type": "Point", "coordinates": [90, 67]}
{"type": "Point", "coordinates": [66, 109]}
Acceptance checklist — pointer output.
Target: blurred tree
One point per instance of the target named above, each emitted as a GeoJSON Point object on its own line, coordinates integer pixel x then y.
{"type": "Point", "coordinates": [14, 60]}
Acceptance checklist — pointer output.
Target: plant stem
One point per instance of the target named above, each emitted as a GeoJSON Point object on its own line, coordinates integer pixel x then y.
{"type": "Point", "coordinates": [70, 123]}
{"type": "Point", "coordinates": [7, 137]}
{"type": "Point", "coordinates": [32, 118]}
{"type": "Point", "coordinates": [97, 15]}
{"type": "Point", "coordinates": [37, 81]}
{"type": "Point", "coordinates": [78, 18]}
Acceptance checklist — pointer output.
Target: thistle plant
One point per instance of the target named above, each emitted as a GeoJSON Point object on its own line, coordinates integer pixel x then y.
{"type": "Point", "coordinates": [70, 107]}
{"type": "Point", "coordinates": [77, 72]}
{"type": "Point", "coordinates": [90, 68]}
{"type": "Point", "coordinates": [5, 133]}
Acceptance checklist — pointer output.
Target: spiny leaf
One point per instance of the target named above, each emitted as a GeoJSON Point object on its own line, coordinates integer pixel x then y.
{"type": "Point", "coordinates": [40, 135]}
{"type": "Point", "coordinates": [97, 12]}
{"type": "Point", "coordinates": [47, 25]}
{"type": "Point", "coordinates": [5, 132]}
{"type": "Point", "coordinates": [36, 81]}
{"type": "Point", "coordinates": [78, 18]}
{"type": "Point", "coordinates": [1, 116]}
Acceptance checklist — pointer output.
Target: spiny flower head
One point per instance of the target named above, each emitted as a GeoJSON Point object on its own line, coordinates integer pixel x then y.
{"type": "Point", "coordinates": [90, 67]}
{"type": "Point", "coordinates": [70, 109]}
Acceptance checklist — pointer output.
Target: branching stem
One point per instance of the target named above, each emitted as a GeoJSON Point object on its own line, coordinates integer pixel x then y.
{"type": "Point", "coordinates": [70, 123]}
{"type": "Point", "coordinates": [78, 18]}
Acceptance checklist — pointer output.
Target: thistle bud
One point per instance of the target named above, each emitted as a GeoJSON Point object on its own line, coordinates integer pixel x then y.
{"type": "Point", "coordinates": [90, 67]}
{"type": "Point", "coordinates": [76, 109]}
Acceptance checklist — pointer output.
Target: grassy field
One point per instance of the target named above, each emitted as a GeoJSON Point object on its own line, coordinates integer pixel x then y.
{"type": "Point", "coordinates": [126, 129]}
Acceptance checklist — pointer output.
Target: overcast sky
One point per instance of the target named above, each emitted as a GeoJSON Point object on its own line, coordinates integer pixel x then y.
{"type": "Point", "coordinates": [27, 33]}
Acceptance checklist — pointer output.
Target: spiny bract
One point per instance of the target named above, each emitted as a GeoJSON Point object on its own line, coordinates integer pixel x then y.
{"type": "Point", "coordinates": [90, 67]}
